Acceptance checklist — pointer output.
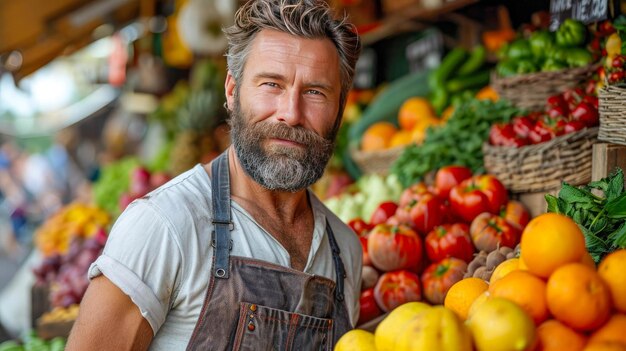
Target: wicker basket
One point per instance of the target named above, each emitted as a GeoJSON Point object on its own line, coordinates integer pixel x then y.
{"type": "Point", "coordinates": [376, 162]}
{"type": "Point", "coordinates": [544, 166]}
{"type": "Point", "coordinates": [612, 115]}
{"type": "Point", "coordinates": [531, 90]}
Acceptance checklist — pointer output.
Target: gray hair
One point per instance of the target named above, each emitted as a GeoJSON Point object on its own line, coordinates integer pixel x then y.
{"type": "Point", "coordinates": [312, 19]}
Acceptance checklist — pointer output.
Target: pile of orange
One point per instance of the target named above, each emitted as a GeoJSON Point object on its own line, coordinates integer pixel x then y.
{"type": "Point", "coordinates": [415, 115]}
{"type": "Point", "coordinates": [575, 305]}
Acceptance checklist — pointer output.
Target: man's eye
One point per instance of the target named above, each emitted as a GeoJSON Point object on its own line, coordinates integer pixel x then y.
{"type": "Point", "coordinates": [271, 84]}
{"type": "Point", "coordinates": [314, 92]}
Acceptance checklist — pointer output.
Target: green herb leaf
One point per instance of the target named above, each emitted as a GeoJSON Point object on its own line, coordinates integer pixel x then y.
{"type": "Point", "coordinates": [553, 203]}
{"type": "Point", "coordinates": [616, 208]}
{"type": "Point", "coordinates": [575, 195]}
{"type": "Point", "coordinates": [616, 185]}
{"type": "Point", "coordinates": [618, 237]}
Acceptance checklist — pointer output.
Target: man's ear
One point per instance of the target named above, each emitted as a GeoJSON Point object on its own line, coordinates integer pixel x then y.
{"type": "Point", "coordinates": [230, 87]}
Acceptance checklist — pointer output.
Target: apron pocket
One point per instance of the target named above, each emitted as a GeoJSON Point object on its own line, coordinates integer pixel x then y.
{"type": "Point", "coordinates": [265, 328]}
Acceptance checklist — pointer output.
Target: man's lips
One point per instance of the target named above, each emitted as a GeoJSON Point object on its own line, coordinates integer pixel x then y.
{"type": "Point", "coordinates": [286, 142]}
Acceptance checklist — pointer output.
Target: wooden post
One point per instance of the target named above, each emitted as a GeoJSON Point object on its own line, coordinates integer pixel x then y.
{"type": "Point", "coordinates": [605, 158]}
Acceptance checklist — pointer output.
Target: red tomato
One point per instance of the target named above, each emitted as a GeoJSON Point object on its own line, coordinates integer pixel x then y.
{"type": "Point", "coordinates": [449, 240]}
{"type": "Point", "coordinates": [489, 231]}
{"type": "Point", "coordinates": [366, 257]}
{"type": "Point", "coordinates": [368, 307]}
{"type": "Point", "coordinates": [383, 212]}
{"type": "Point", "coordinates": [396, 288]}
{"type": "Point", "coordinates": [359, 226]}
{"type": "Point", "coordinates": [482, 193]}
{"type": "Point", "coordinates": [413, 193]}
{"type": "Point", "coordinates": [394, 247]}
{"type": "Point", "coordinates": [516, 214]}
{"type": "Point", "coordinates": [426, 213]}
{"type": "Point", "coordinates": [440, 276]}
{"type": "Point", "coordinates": [448, 177]}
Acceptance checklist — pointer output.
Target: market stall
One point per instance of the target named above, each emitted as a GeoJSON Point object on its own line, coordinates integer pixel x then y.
{"type": "Point", "coordinates": [480, 162]}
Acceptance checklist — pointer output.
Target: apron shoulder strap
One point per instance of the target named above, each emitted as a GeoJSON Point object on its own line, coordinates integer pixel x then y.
{"type": "Point", "coordinates": [222, 222]}
{"type": "Point", "coordinates": [340, 270]}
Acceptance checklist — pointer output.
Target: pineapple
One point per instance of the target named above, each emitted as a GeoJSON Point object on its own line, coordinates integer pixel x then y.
{"type": "Point", "coordinates": [196, 120]}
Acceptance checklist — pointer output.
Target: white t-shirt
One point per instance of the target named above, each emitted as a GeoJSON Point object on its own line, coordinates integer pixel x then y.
{"type": "Point", "coordinates": [159, 254]}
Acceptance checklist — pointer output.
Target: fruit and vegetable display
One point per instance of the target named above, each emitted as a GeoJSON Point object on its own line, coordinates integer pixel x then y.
{"type": "Point", "coordinates": [32, 342]}
{"type": "Point", "coordinates": [415, 249]}
{"type": "Point", "coordinates": [66, 273]}
{"type": "Point", "coordinates": [74, 221]}
{"type": "Point", "coordinates": [565, 113]}
{"type": "Point", "coordinates": [457, 142]}
{"type": "Point", "coordinates": [123, 181]}
{"type": "Point", "coordinates": [545, 51]}
{"type": "Point", "coordinates": [552, 297]}
{"type": "Point", "coordinates": [362, 198]}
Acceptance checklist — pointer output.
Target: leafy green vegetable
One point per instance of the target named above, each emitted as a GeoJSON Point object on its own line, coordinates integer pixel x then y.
{"type": "Point", "coordinates": [113, 182]}
{"type": "Point", "coordinates": [458, 142]}
{"type": "Point", "coordinates": [601, 218]}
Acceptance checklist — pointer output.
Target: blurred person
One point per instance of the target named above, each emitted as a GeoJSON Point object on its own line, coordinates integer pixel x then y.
{"type": "Point", "coordinates": [239, 253]}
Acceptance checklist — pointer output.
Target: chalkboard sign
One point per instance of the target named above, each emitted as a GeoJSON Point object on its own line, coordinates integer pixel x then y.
{"type": "Point", "coordinates": [425, 52]}
{"type": "Point", "coordinates": [365, 70]}
{"type": "Point", "coordinates": [586, 11]}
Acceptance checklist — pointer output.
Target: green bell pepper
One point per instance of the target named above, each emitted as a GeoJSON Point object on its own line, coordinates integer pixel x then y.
{"type": "Point", "coordinates": [578, 57]}
{"type": "Point", "coordinates": [526, 66]}
{"type": "Point", "coordinates": [541, 42]}
{"type": "Point", "coordinates": [571, 33]}
{"type": "Point", "coordinates": [552, 64]}
{"type": "Point", "coordinates": [557, 53]}
{"type": "Point", "coordinates": [519, 49]}
{"type": "Point", "coordinates": [506, 68]}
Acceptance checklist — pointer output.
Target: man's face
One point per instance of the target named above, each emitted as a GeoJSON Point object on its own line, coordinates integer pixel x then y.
{"type": "Point", "coordinates": [284, 110]}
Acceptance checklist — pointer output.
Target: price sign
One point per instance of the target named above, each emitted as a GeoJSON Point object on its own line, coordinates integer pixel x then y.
{"type": "Point", "coordinates": [365, 70]}
{"type": "Point", "coordinates": [425, 52]}
{"type": "Point", "coordinates": [586, 11]}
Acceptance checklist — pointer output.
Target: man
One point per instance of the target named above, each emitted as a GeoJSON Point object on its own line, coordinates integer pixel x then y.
{"type": "Point", "coordinates": [239, 254]}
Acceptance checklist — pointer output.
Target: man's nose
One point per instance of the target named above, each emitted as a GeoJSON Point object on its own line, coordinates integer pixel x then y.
{"type": "Point", "coordinates": [290, 109]}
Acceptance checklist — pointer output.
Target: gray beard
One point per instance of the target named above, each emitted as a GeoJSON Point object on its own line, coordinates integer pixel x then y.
{"type": "Point", "coordinates": [280, 168]}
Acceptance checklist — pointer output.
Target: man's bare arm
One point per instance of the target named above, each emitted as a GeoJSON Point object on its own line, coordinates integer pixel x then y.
{"type": "Point", "coordinates": [109, 320]}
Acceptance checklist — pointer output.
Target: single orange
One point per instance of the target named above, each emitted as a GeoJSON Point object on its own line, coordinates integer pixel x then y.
{"type": "Point", "coordinates": [614, 330]}
{"type": "Point", "coordinates": [414, 112]}
{"type": "Point", "coordinates": [526, 290]}
{"type": "Point", "coordinates": [462, 295]}
{"type": "Point", "coordinates": [401, 138]}
{"type": "Point", "coordinates": [377, 136]}
{"type": "Point", "coordinates": [578, 297]}
{"type": "Point", "coordinates": [549, 241]}
{"type": "Point", "coordinates": [611, 269]}
{"type": "Point", "coordinates": [418, 135]}
{"type": "Point", "coordinates": [556, 336]}
{"type": "Point", "coordinates": [504, 268]}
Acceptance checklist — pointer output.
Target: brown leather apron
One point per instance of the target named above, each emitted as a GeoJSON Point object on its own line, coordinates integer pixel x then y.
{"type": "Point", "coordinates": [256, 305]}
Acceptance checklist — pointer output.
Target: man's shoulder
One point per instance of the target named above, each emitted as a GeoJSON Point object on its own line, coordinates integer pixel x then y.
{"type": "Point", "coordinates": [190, 191]}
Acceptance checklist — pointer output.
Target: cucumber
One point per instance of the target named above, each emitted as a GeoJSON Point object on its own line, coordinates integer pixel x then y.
{"type": "Point", "coordinates": [384, 107]}
{"type": "Point", "coordinates": [476, 80]}
{"type": "Point", "coordinates": [448, 66]}
{"type": "Point", "coordinates": [474, 62]}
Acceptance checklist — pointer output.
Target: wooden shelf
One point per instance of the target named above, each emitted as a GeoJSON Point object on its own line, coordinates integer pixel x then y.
{"type": "Point", "coordinates": [397, 20]}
